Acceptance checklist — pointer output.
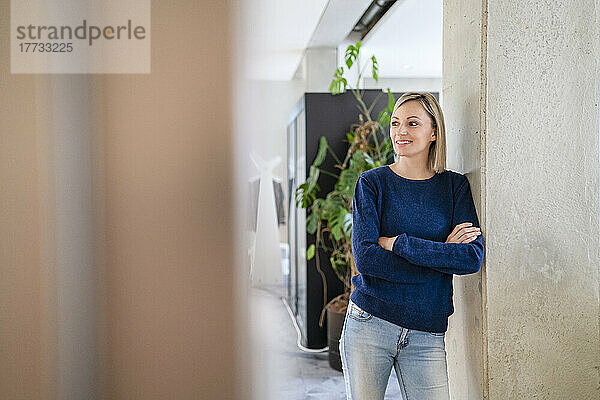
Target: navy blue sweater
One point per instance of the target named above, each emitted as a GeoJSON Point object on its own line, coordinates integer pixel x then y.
{"type": "Point", "coordinates": [411, 286]}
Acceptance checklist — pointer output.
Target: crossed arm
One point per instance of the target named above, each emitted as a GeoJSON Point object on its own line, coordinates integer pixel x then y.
{"type": "Point", "coordinates": [409, 251]}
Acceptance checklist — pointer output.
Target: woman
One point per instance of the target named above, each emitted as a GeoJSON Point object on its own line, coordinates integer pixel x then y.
{"type": "Point", "coordinates": [414, 227]}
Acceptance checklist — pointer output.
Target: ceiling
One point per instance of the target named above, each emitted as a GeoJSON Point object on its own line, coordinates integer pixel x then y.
{"type": "Point", "coordinates": [407, 41]}
{"type": "Point", "coordinates": [276, 33]}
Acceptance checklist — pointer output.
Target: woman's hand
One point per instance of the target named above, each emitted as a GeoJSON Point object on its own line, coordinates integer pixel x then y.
{"type": "Point", "coordinates": [464, 233]}
{"type": "Point", "coordinates": [386, 242]}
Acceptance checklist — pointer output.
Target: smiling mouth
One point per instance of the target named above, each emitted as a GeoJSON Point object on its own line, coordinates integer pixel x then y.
{"type": "Point", "coordinates": [403, 142]}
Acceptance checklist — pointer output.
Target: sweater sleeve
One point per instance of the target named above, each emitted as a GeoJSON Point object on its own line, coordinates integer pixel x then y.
{"type": "Point", "coordinates": [370, 258]}
{"type": "Point", "coordinates": [450, 258]}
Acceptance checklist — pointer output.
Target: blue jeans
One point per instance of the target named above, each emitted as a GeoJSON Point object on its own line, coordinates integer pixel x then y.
{"type": "Point", "coordinates": [370, 346]}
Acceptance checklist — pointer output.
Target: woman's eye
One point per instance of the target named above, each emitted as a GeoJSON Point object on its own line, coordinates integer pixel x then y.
{"type": "Point", "coordinates": [410, 122]}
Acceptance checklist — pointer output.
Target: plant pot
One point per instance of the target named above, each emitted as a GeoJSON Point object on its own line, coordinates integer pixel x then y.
{"type": "Point", "coordinates": [335, 323]}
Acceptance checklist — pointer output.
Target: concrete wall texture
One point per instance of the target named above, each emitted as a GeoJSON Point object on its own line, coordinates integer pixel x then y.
{"type": "Point", "coordinates": [462, 101]}
{"type": "Point", "coordinates": [521, 94]}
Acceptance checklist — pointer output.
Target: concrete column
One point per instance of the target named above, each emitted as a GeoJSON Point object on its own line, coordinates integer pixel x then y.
{"type": "Point", "coordinates": [520, 89]}
{"type": "Point", "coordinates": [463, 103]}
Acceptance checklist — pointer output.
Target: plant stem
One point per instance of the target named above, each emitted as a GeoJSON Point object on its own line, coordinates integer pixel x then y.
{"type": "Point", "coordinates": [333, 154]}
{"type": "Point", "coordinates": [329, 249]}
{"type": "Point", "coordinates": [375, 101]}
{"type": "Point", "coordinates": [360, 71]}
{"type": "Point", "coordinates": [365, 109]}
{"type": "Point", "coordinates": [377, 143]}
{"type": "Point", "coordinates": [318, 265]}
{"type": "Point", "coordinates": [328, 173]}
{"type": "Point", "coordinates": [375, 133]}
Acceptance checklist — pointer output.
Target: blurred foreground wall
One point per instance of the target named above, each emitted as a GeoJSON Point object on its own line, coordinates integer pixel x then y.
{"type": "Point", "coordinates": [117, 221]}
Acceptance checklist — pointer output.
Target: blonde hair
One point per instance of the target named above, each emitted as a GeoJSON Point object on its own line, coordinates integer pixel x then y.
{"type": "Point", "coordinates": [436, 160]}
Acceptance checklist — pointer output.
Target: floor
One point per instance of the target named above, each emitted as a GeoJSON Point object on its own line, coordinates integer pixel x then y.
{"type": "Point", "coordinates": [283, 371]}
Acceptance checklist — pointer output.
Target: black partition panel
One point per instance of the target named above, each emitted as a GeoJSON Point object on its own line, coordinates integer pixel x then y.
{"type": "Point", "coordinates": [316, 115]}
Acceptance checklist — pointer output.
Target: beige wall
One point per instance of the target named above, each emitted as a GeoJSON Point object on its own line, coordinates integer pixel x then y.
{"type": "Point", "coordinates": [169, 212]}
{"type": "Point", "coordinates": [159, 155]}
{"type": "Point", "coordinates": [22, 216]}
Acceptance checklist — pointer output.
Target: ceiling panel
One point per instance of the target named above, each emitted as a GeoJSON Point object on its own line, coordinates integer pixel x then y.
{"type": "Point", "coordinates": [407, 41]}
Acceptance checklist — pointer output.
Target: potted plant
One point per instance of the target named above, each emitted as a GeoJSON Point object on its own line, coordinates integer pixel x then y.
{"type": "Point", "coordinates": [330, 218]}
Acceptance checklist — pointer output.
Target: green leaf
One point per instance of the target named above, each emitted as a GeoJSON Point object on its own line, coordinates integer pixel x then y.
{"type": "Point", "coordinates": [313, 177]}
{"type": "Point", "coordinates": [358, 161]}
{"type": "Point", "coordinates": [391, 101]}
{"type": "Point", "coordinates": [350, 137]}
{"type": "Point", "coordinates": [386, 148]}
{"type": "Point", "coordinates": [310, 252]}
{"type": "Point", "coordinates": [306, 195]}
{"type": "Point", "coordinates": [312, 223]}
{"type": "Point", "coordinates": [333, 221]}
{"type": "Point", "coordinates": [338, 223]}
{"type": "Point", "coordinates": [347, 180]}
{"type": "Point", "coordinates": [336, 231]}
{"type": "Point", "coordinates": [375, 68]}
{"type": "Point", "coordinates": [339, 263]}
{"type": "Point", "coordinates": [347, 224]}
{"type": "Point", "coordinates": [339, 83]}
{"type": "Point", "coordinates": [351, 54]}
{"type": "Point", "coordinates": [333, 87]}
{"type": "Point", "coordinates": [332, 261]}
{"type": "Point", "coordinates": [384, 118]}
{"type": "Point", "coordinates": [333, 202]}
{"type": "Point", "coordinates": [322, 152]}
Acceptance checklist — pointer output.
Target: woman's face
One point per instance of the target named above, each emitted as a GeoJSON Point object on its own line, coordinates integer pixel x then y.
{"type": "Point", "coordinates": [411, 122]}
